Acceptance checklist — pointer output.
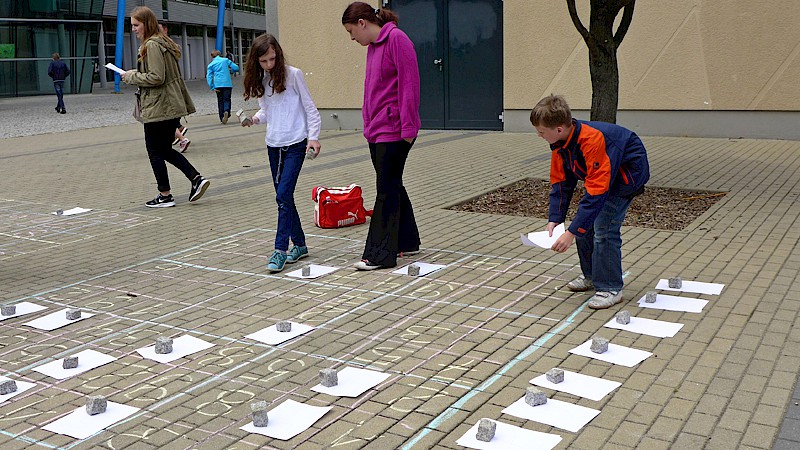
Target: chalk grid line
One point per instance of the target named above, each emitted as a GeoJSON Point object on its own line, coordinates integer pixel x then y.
{"type": "Point", "coordinates": [223, 247]}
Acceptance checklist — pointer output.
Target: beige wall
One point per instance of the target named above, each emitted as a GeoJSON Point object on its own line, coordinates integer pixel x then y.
{"type": "Point", "coordinates": [314, 40]}
{"type": "Point", "coordinates": [678, 55]}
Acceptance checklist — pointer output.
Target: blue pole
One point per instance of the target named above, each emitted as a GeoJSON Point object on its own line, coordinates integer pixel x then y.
{"type": "Point", "coordinates": [120, 39]}
{"type": "Point", "coordinates": [220, 25]}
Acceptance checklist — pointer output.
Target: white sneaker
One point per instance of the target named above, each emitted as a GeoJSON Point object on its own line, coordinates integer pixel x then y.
{"type": "Point", "coordinates": [184, 145]}
{"type": "Point", "coordinates": [580, 284]}
{"type": "Point", "coordinates": [605, 300]}
{"type": "Point", "coordinates": [366, 265]}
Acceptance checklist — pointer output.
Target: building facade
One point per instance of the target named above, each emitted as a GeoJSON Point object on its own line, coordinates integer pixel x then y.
{"type": "Point", "coordinates": [193, 25]}
{"type": "Point", "coordinates": [687, 67]}
{"type": "Point", "coordinates": [83, 32]}
{"type": "Point", "coordinates": [32, 30]}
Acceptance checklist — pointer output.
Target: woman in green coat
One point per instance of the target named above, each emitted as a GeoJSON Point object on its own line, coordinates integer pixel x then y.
{"type": "Point", "coordinates": [164, 100]}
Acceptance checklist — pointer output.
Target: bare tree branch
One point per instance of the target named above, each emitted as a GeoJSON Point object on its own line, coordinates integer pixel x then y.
{"type": "Point", "coordinates": [573, 14]}
{"type": "Point", "coordinates": [627, 17]}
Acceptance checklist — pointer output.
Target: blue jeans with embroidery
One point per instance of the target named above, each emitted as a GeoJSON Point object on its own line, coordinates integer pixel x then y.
{"type": "Point", "coordinates": [285, 164]}
{"type": "Point", "coordinates": [600, 250]}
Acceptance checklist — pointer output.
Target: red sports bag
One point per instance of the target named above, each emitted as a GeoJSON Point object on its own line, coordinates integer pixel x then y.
{"type": "Point", "coordinates": [337, 207]}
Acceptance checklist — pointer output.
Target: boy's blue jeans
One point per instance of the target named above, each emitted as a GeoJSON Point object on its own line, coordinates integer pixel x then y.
{"type": "Point", "coordinates": [285, 164]}
{"type": "Point", "coordinates": [59, 87]}
{"type": "Point", "coordinates": [600, 250]}
{"type": "Point", "coordinates": [223, 101]}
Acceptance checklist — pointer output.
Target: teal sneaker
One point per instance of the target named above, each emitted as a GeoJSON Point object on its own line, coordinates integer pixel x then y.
{"type": "Point", "coordinates": [276, 261]}
{"type": "Point", "coordinates": [296, 253]}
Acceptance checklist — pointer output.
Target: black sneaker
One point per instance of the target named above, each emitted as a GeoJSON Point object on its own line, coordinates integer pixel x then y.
{"type": "Point", "coordinates": [161, 202]}
{"type": "Point", "coordinates": [199, 186]}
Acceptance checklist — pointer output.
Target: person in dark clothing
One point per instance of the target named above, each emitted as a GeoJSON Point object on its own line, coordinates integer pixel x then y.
{"type": "Point", "coordinates": [58, 71]}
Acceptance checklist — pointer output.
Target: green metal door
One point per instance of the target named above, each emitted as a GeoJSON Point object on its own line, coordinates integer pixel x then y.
{"type": "Point", "coordinates": [459, 46]}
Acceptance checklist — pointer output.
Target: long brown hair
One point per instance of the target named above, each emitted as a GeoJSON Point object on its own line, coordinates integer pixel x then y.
{"type": "Point", "coordinates": [359, 10]}
{"type": "Point", "coordinates": [148, 19]}
{"type": "Point", "coordinates": [254, 74]}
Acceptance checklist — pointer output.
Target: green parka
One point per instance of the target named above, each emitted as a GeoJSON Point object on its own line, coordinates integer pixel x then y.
{"type": "Point", "coordinates": [163, 93]}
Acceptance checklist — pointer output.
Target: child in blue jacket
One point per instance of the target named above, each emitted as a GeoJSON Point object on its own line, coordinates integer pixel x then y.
{"type": "Point", "coordinates": [612, 162]}
{"type": "Point", "coordinates": [218, 76]}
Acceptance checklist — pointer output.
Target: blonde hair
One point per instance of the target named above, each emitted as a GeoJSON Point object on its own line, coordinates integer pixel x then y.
{"type": "Point", "coordinates": [551, 111]}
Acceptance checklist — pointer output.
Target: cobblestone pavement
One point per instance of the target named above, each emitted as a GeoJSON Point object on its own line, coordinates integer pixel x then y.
{"type": "Point", "coordinates": [458, 345]}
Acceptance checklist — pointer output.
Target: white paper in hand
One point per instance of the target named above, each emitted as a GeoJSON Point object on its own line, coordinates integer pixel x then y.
{"type": "Point", "coordinates": [542, 238]}
{"type": "Point", "coordinates": [115, 68]}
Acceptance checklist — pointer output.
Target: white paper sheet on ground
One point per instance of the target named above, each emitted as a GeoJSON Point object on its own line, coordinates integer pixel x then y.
{"type": "Point", "coordinates": [542, 238]}
{"type": "Point", "coordinates": [509, 437]}
{"type": "Point", "coordinates": [316, 271]}
{"type": "Point", "coordinates": [114, 68]}
{"type": "Point", "coordinates": [556, 413]}
{"type": "Point", "coordinates": [70, 212]}
{"type": "Point", "coordinates": [424, 268]}
{"type": "Point", "coordinates": [182, 346]}
{"type": "Point", "coordinates": [87, 360]}
{"type": "Point", "coordinates": [55, 320]}
{"type": "Point", "coordinates": [271, 335]}
{"type": "Point", "coordinates": [697, 287]}
{"type": "Point", "coordinates": [288, 419]}
{"type": "Point", "coordinates": [585, 386]}
{"type": "Point", "coordinates": [650, 327]}
{"type": "Point", "coordinates": [675, 303]}
{"type": "Point", "coordinates": [80, 425]}
{"type": "Point", "coordinates": [22, 386]}
{"type": "Point", "coordinates": [25, 308]}
{"type": "Point", "coordinates": [616, 354]}
{"type": "Point", "coordinates": [353, 382]}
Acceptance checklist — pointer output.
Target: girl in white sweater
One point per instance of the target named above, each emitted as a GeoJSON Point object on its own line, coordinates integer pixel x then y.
{"type": "Point", "coordinates": [293, 125]}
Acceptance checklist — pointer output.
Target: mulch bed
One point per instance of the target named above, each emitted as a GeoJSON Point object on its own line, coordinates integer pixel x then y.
{"type": "Point", "coordinates": [658, 208]}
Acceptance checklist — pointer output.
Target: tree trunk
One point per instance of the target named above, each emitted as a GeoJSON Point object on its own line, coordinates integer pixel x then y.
{"type": "Point", "coordinates": [602, 44]}
{"type": "Point", "coordinates": [605, 76]}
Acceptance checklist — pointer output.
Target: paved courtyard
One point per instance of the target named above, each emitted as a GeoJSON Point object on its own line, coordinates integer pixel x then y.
{"type": "Point", "coordinates": [458, 345]}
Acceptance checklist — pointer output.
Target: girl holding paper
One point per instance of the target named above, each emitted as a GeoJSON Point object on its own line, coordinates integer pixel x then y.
{"type": "Point", "coordinates": [164, 100]}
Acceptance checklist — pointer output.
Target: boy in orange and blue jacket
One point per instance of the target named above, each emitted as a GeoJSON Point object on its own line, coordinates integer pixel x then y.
{"type": "Point", "coordinates": [612, 163]}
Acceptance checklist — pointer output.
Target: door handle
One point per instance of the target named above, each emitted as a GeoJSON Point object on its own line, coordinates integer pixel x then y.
{"type": "Point", "coordinates": [438, 62]}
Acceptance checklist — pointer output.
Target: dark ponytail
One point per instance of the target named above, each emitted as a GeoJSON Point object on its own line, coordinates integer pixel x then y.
{"type": "Point", "coordinates": [362, 11]}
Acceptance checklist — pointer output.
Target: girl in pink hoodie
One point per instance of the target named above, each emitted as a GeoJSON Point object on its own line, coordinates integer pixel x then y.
{"type": "Point", "coordinates": [391, 124]}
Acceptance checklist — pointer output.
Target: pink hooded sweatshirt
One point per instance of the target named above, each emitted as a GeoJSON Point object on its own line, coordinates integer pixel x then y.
{"type": "Point", "coordinates": [391, 88]}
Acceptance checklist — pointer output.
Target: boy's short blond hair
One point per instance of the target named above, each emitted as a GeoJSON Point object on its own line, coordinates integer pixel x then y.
{"type": "Point", "coordinates": [215, 53]}
{"type": "Point", "coordinates": [551, 111]}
